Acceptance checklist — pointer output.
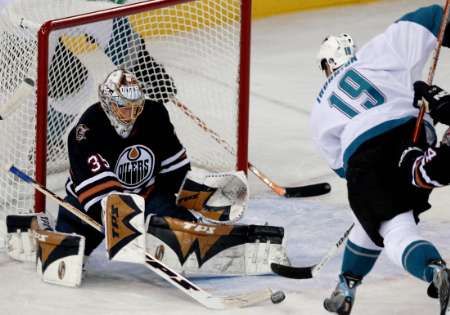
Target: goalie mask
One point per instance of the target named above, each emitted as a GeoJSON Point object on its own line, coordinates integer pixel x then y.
{"type": "Point", "coordinates": [122, 99]}
{"type": "Point", "coordinates": [335, 51]}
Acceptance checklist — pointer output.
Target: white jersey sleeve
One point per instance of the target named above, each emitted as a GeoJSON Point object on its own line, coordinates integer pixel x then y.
{"type": "Point", "coordinates": [373, 92]}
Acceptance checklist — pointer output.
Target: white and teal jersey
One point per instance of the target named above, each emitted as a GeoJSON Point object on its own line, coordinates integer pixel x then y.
{"type": "Point", "coordinates": [373, 92]}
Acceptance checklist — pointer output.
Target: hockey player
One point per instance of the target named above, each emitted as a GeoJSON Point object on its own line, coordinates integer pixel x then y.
{"type": "Point", "coordinates": [123, 143]}
{"type": "Point", "coordinates": [362, 123]}
{"type": "Point", "coordinates": [127, 144]}
{"type": "Point", "coordinates": [129, 172]}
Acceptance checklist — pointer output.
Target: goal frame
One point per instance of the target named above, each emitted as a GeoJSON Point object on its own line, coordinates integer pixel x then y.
{"type": "Point", "coordinates": [101, 15]}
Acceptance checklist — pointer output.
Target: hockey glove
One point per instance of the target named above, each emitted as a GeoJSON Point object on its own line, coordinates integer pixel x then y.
{"type": "Point", "coordinates": [436, 100]}
{"type": "Point", "coordinates": [426, 169]}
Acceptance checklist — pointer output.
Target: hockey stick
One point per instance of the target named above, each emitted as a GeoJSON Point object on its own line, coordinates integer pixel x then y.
{"type": "Point", "coordinates": [311, 271]}
{"type": "Point", "coordinates": [174, 278]}
{"type": "Point", "coordinates": [288, 192]}
{"type": "Point", "coordinates": [22, 93]}
{"type": "Point", "coordinates": [437, 50]}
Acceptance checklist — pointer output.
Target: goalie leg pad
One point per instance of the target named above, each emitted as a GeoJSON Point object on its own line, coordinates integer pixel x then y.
{"type": "Point", "coordinates": [60, 257]}
{"type": "Point", "coordinates": [206, 249]}
{"type": "Point", "coordinates": [124, 227]}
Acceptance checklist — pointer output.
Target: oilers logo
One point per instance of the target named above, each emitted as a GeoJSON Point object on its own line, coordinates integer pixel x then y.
{"type": "Point", "coordinates": [135, 166]}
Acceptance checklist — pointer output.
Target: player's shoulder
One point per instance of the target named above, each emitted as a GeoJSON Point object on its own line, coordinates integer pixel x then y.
{"type": "Point", "coordinates": [89, 123]}
{"type": "Point", "coordinates": [93, 115]}
{"type": "Point", "coordinates": [156, 111]}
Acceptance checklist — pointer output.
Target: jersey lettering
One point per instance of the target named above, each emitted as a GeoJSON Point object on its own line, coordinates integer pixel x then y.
{"type": "Point", "coordinates": [97, 162]}
{"type": "Point", "coordinates": [354, 85]}
{"type": "Point", "coordinates": [429, 155]}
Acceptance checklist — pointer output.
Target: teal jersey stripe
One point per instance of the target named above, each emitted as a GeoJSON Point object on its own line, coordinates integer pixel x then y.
{"type": "Point", "coordinates": [429, 17]}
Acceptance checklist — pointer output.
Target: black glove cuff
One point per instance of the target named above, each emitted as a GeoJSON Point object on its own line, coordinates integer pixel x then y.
{"type": "Point", "coordinates": [441, 114]}
{"type": "Point", "coordinates": [446, 39]}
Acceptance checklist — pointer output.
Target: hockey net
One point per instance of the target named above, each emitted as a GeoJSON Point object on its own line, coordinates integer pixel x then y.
{"type": "Point", "coordinates": [202, 44]}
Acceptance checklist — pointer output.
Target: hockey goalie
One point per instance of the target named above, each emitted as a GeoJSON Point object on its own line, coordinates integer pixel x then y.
{"type": "Point", "coordinates": [130, 172]}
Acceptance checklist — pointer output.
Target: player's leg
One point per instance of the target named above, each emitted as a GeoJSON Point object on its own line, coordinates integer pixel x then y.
{"type": "Point", "coordinates": [376, 193]}
{"type": "Point", "coordinates": [360, 255]}
{"type": "Point", "coordinates": [68, 223]}
{"type": "Point", "coordinates": [408, 249]}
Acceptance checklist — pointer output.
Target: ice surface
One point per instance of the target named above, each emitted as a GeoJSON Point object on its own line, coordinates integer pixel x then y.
{"type": "Point", "coordinates": [284, 81]}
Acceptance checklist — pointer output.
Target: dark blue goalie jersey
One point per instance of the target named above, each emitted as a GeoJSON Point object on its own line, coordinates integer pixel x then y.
{"type": "Point", "coordinates": [151, 158]}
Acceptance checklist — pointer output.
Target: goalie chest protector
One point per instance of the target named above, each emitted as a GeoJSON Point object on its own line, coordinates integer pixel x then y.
{"type": "Point", "coordinates": [95, 148]}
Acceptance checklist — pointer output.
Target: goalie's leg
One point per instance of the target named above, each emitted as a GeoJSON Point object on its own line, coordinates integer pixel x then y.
{"type": "Point", "coordinates": [69, 223]}
{"type": "Point", "coordinates": [58, 256]}
{"type": "Point", "coordinates": [163, 204]}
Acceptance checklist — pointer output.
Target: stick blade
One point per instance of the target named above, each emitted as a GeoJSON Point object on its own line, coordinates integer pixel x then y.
{"type": "Point", "coordinates": [308, 190]}
{"type": "Point", "coordinates": [292, 272]}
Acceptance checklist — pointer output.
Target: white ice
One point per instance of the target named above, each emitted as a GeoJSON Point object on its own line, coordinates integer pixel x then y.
{"type": "Point", "coordinates": [284, 82]}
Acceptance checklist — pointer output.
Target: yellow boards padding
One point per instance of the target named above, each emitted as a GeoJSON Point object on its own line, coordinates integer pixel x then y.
{"type": "Point", "coordinates": [183, 18]}
{"type": "Point", "coordinates": [191, 16]}
{"type": "Point", "coordinates": [266, 8]}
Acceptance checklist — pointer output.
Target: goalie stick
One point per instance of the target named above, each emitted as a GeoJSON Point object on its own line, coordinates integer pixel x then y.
{"type": "Point", "coordinates": [174, 278]}
{"type": "Point", "coordinates": [311, 271]}
{"type": "Point", "coordinates": [22, 93]}
{"type": "Point", "coordinates": [27, 86]}
{"type": "Point", "coordinates": [288, 192]}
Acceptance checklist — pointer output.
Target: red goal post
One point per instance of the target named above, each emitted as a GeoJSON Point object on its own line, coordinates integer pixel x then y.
{"type": "Point", "coordinates": [215, 16]}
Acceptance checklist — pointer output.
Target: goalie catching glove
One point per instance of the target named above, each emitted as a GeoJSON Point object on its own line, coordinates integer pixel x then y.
{"type": "Point", "coordinates": [216, 197]}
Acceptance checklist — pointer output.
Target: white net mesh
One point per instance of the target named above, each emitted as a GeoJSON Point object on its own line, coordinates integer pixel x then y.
{"type": "Point", "coordinates": [188, 50]}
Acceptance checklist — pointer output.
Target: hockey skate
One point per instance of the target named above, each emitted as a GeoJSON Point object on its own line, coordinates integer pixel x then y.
{"type": "Point", "coordinates": [343, 297]}
{"type": "Point", "coordinates": [440, 287]}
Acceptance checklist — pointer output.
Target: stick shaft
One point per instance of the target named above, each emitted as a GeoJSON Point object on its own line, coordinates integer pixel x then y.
{"type": "Point", "coordinates": [279, 190]}
{"type": "Point", "coordinates": [317, 268]}
{"type": "Point", "coordinates": [437, 50]}
{"type": "Point", "coordinates": [81, 215]}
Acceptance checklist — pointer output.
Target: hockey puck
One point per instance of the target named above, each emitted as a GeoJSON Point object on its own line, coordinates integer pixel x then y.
{"type": "Point", "coordinates": [277, 297]}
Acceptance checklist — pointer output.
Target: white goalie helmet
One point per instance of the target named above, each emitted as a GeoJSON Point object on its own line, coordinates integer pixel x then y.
{"type": "Point", "coordinates": [336, 51]}
{"type": "Point", "coordinates": [122, 98]}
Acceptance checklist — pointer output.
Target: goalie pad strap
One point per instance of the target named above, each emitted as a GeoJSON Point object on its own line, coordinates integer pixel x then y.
{"type": "Point", "coordinates": [21, 244]}
{"type": "Point", "coordinates": [251, 233]}
{"type": "Point", "coordinates": [20, 223]}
